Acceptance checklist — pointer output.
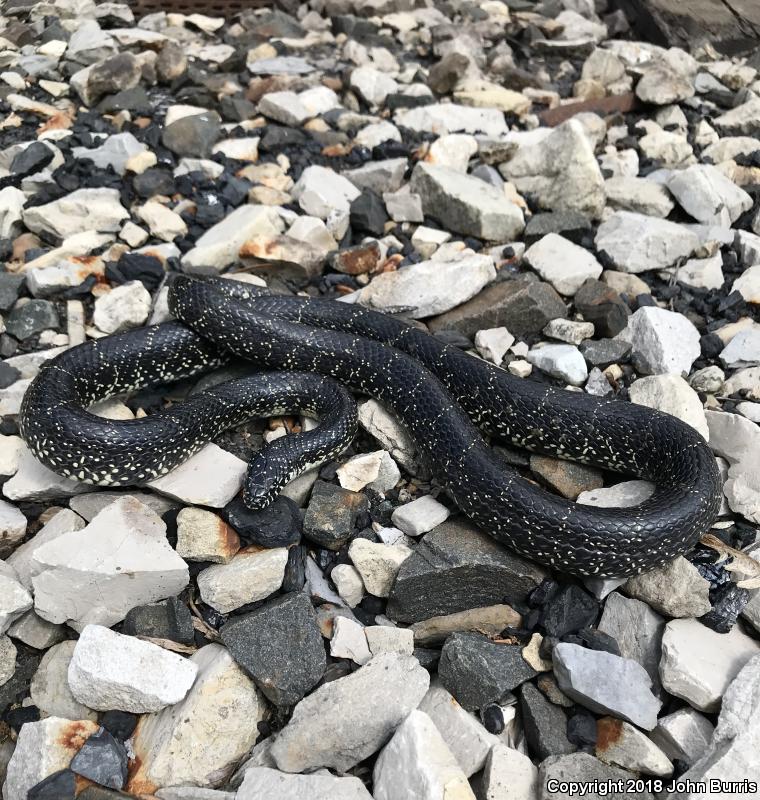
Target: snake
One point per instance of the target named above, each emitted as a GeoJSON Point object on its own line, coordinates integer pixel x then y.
{"type": "Point", "coordinates": [312, 355]}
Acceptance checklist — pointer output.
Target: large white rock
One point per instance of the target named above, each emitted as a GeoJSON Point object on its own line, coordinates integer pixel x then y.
{"type": "Point", "coordinates": [743, 350]}
{"type": "Point", "coordinates": [564, 264]}
{"type": "Point", "coordinates": [637, 243]}
{"type": "Point", "coordinates": [733, 437]}
{"type": "Point", "coordinates": [509, 775]}
{"type": "Point", "coordinates": [320, 191]}
{"type": "Point", "coordinates": [416, 762]}
{"type": "Point", "coordinates": [219, 246]}
{"type": "Point", "coordinates": [211, 477]}
{"type": "Point", "coordinates": [42, 748]}
{"type": "Point", "coordinates": [349, 641]}
{"type": "Point", "coordinates": [675, 588]}
{"type": "Point", "coordinates": [251, 575]}
{"type": "Point", "coordinates": [560, 170]}
{"type": "Point", "coordinates": [701, 273]}
{"type": "Point", "coordinates": [684, 735]}
{"type": "Point", "coordinates": [673, 395]}
{"type": "Point", "coordinates": [110, 671]}
{"type": "Point", "coordinates": [15, 601]}
{"type": "Point", "coordinates": [82, 210]}
{"type": "Point", "coordinates": [285, 107]}
{"type": "Point", "coordinates": [443, 118]}
{"type": "Point", "coordinates": [346, 720]}
{"type": "Point", "coordinates": [260, 782]}
{"type": "Point", "coordinates": [732, 755]}
{"type": "Point", "coordinates": [201, 739]}
{"type": "Point", "coordinates": [661, 341]}
{"type": "Point", "coordinates": [463, 733]}
{"type": "Point", "coordinates": [708, 195]}
{"type": "Point", "coordinates": [389, 432]}
{"type": "Point", "coordinates": [748, 285]}
{"type": "Point", "coordinates": [50, 690]}
{"type": "Point", "coordinates": [430, 287]}
{"type": "Point", "coordinates": [162, 222]}
{"type": "Point", "coordinates": [465, 204]}
{"type": "Point", "coordinates": [621, 744]}
{"type": "Point", "coordinates": [119, 561]}
{"type": "Point", "coordinates": [114, 152]}
{"type": "Point", "coordinates": [372, 84]}
{"type": "Point", "coordinates": [639, 195]}
{"type": "Point", "coordinates": [377, 470]}
{"type": "Point", "coordinates": [420, 516]}
{"type": "Point", "coordinates": [698, 664]}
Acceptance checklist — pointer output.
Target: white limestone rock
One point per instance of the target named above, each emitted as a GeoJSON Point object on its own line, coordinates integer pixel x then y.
{"type": "Point", "coordinates": [494, 343]}
{"type": "Point", "coordinates": [204, 536]}
{"type": "Point", "coordinates": [50, 690]}
{"type": "Point", "coordinates": [377, 470]}
{"type": "Point", "coordinates": [676, 589]}
{"type": "Point", "coordinates": [560, 170]}
{"type": "Point", "coordinates": [661, 341]}
{"type": "Point", "coordinates": [453, 151]}
{"type": "Point", "coordinates": [420, 515]}
{"type": "Point", "coordinates": [509, 775]}
{"type": "Point", "coordinates": [563, 361]}
{"type": "Point", "coordinates": [430, 287]}
{"type": "Point", "coordinates": [621, 744]}
{"type": "Point", "coordinates": [253, 574]}
{"type": "Point", "coordinates": [465, 204]}
{"type": "Point", "coordinates": [320, 191]}
{"type": "Point", "coordinates": [743, 350]}
{"type": "Point", "coordinates": [673, 395]}
{"type": "Point", "coordinates": [698, 664]}
{"type": "Point", "coordinates": [82, 210]}
{"type": "Point", "coordinates": [389, 639]}
{"type": "Point", "coordinates": [259, 782]}
{"type": "Point", "coordinates": [349, 641]}
{"type": "Point", "coordinates": [200, 740]}
{"type": "Point", "coordinates": [162, 222]}
{"type": "Point", "coordinates": [443, 118]}
{"type": "Point", "coordinates": [219, 246]}
{"type": "Point", "coordinates": [10, 452]}
{"type": "Point", "coordinates": [111, 671]}
{"type": "Point", "coordinates": [96, 575]}
{"type": "Point", "coordinates": [115, 152]}
{"type": "Point", "coordinates": [463, 733]}
{"type": "Point", "coordinates": [390, 433]}
{"type": "Point", "coordinates": [701, 273]}
{"type": "Point", "coordinates": [12, 202]}
{"type": "Point", "coordinates": [15, 601]}
{"type": "Point", "coordinates": [211, 477]}
{"type": "Point", "coordinates": [126, 306]}
{"type": "Point", "coordinates": [639, 195]}
{"type": "Point", "coordinates": [684, 735]}
{"type": "Point", "coordinates": [563, 264]}
{"type": "Point", "coordinates": [12, 527]}
{"type": "Point", "coordinates": [285, 107]}
{"type": "Point", "coordinates": [733, 437]}
{"type": "Point", "coordinates": [417, 761]}
{"type": "Point", "coordinates": [732, 754]}
{"type": "Point", "coordinates": [372, 84]}
{"type": "Point", "coordinates": [349, 584]}
{"type": "Point", "coordinates": [348, 719]}
{"type": "Point", "coordinates": [708, 195]}
{"type": "Point", "coordinates": [569, 330]}
{"type": "Point", "coordinates": [637, 243]}
{"type": "Point", "coordinates": [34, 481]}
{"type": "Point", "coordinates": [43, 748]}
{"type": "Point", "coordinates": [378, 564]}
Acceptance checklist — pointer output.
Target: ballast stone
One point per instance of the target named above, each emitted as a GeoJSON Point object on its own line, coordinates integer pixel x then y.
{"type": "Point", "coordinates": [661, 341]}
{"type": "Point", "coordinates": [565, 265]}
{"type": "Point", "coordinates": [671, 394]}
{"type": "Point", "coordinates": [465, 204]}
{"type": "Point", "coordinates": [96, 575]}
{"type": "Point", "coordinates": [708, 195]}
{"type": "Point", "coordinates": [259, 782]}
{"type": "Point", "coordinates": [110, 671]}
{"type": "Point", "coordinates": [82, 210]}
{"type": "Point", "coordinates": [563, 361]}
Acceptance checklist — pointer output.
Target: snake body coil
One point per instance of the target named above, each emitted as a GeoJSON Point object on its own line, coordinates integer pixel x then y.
{"type": "Point", "coordinates": [440, 393]}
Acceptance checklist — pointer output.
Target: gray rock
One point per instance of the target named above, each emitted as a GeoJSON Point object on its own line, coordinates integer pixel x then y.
{"type": "Point", "coordinates": [676, 589]}
{"type": "Point", "coordinates": [30, 318]}
{"type": "Point", "coordinates": [621, 744]}
{"type": "Point", "coordinates": [49, 689]}
{"type": "Point", "coordinates": [637, 630]}
{"type": "Point", "coordinates": [582, 769]}
{"type": "Point", "coordinates": [733, 436]}
{"type": "Point", "coordinates": [662, 84]}
{"type": "Point", "coordinates": [102, 759]}
{"type": "Point", "coordinates": [708, 195]}
{"type": "Point", "coordinates": [478, 672]}
{"type": "Point", "coordinates": [743, 350]}
{"type": "Point", "coordinates": [115, 152]}
{"type": "Point", "coordinates": [279, 645]}
{"type": "Point", "coordinates": [661, 341]}
{"type": "Point", "coordinates": [520, 305]}
{"type": "Point", "coordinates": [457, 567]}
{"type": "Point", "coordinates": [261, 782]}
{"type": "Point", "coordinates": [345, 721]}
{"type": "Point", "coordinates": [732, 755]}
{"type": "Point", "coordinates": [560, 170]}
{"type": "Point", "coordinates": [637, 243]}
{"type": "Point", "coordinates": [671, 394]}
{"type": "Point", "coordinates": [377, 563]}
{"type": "Point", "coordinates": [684, 735]}
{"type": "Point", "coordinates": [698, 664]}
{"type": "Point", "coordinates": [606, 683]}
{"type": "Point", "coordinates": [639, 195]}
{"type": "Point", "coordinates": [466, 205]}
{"type": "Point", "coordinates": [380, 176]}
{"type": "Point", "coordinates": [544, 723]}
{"type": "Point", "coordinates": [194, 135]}
{"type": "Point", "coordinates": [742, 119]}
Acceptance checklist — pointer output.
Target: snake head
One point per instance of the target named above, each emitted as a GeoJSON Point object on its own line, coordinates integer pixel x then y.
{"type": "Point", "coordinates": [264, 482]}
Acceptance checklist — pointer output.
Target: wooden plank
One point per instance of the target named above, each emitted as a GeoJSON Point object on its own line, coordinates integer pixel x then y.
{"type": "Point", "coordinates": [733, 26]}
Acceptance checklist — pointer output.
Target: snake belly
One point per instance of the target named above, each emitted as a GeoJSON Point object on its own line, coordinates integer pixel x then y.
{"type": "Point", "coordinates": [443, 396]}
